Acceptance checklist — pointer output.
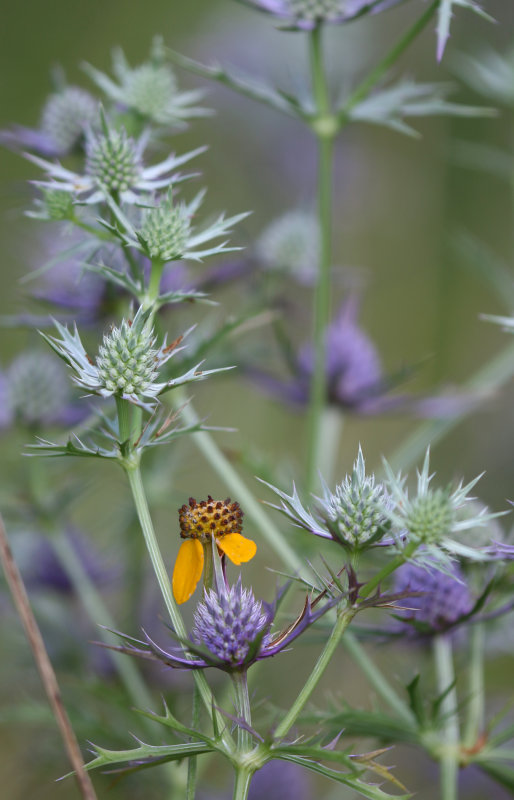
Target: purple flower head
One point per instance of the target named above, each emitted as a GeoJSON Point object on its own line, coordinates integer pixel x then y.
{"type": "Point", "coordinates": [231, 632]}
{"type": "Point", "coordinates": [66, 116]}
{"type": "Point", "coordinates": [307, 14]}
{"type": "Point", "coordinates": [230, 622]}
{"type": "Point", "coordinates": [446, 599]}
{"type": "Point", "coordinates": [355, 379]}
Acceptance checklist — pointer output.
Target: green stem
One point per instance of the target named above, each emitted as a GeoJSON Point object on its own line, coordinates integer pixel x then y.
{"type": "Point", "coordinates": [154, 284]}
{"type": "Point", "coordinates": [389, 568]}
{"type": "Point", "coordinates": [192, 766]}
{"type": "Point", "coordinates": [244, 737]}
{"type": "Point", "coordinates": [342, 622]}
{"type": "Point", "coordinates": [325, 133]}
{"type": "Point", "coordinates": [448, 759]}
{"type": "Point", "coordinates": [364, 88]}
{"type": "Point", "coordinates": [242, 783]}
{"type": "Point", "coordinates": [475, 720]}
{"type": "Point", "coordinates": [376, 678]}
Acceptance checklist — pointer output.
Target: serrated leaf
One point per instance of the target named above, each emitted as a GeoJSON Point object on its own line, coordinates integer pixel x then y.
{"type": "Point", "coordinates": [370, 791]}
{"type": "Point", "coordinates": [146, 753]}
{"type": "Point", "coordinates": [368, 723]}
{"type": "Point", "coordinates": [240, 83]}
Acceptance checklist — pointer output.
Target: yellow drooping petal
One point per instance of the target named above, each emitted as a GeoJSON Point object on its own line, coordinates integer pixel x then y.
{"type": "Point", "coordinates": [188, 569]}
{"type": "Point", "coordinates": [237, 548]}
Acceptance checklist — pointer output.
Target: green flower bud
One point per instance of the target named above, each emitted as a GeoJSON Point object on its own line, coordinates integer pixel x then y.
{"type": "Point", "coordinates": [127, 361]}
{"type": "Point", "coordinates": [57, 204]}
{"type": "Point", "coordinates": [431, 516]}
{"type": "Point", "coordinates": [113, 161]}
{"type": "Point", "coordinates": [165, 230]}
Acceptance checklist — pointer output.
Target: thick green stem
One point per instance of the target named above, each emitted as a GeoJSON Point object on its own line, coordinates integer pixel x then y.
{"type": "Point", "coordinates": [475, 719]}
{"type": "Point", "coordinates": [449, 750]}
{"type": "Point", "coordinates": [244, 738]}
{"type": "Point", "coordinates": [342, 622]}
{"type": "Point", "coordinates": [242, 783]}
{"type": "Point", "coordinates": [325, 137]}
{"type": "Point", "coordinates": [154, 283]}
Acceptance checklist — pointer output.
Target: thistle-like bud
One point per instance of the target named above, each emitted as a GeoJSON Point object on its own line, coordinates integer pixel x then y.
{"type": "Point", "coordinates": [357, 510]}
{"type": "Point", "coordinates": [57, 205]}
{"type": "Point", "coordinates": [227, 623]}
{"type": "Point", "coordinates": [165, 230]}
{"type": "Point", "coordinates": [444, 601]}
{"type": "Point", "coordinates": [291, 244]}
{"type": "Point", "coordinates": [127, 360]}
{"type": "Point", "coordinates": [38, 388]}
{"type": "Point", "coordinates": [148, 89]}
{"type": "Point", "coordinates": [66, 115]}
{"type": "Point", "coordinates": [430, 516]}
{"type": "Point", "coordinates": [113, 160]}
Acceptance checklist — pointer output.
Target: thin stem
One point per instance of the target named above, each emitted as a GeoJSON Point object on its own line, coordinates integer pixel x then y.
{"type": "Point", "coordinates": [388, 569]}
{"type": "Point", "coordinates": [475, 720]}
{"type": "Point", "coordinates": [364, 88]}
{"type": "Point", "coordinates": [44, 666]}
{"type": "Point", "coordinates": [448, 758]}
{"type": "Point", "coordinates": [325, 138]}
{"type": "Point", "coordinates": [376, 678]}
{"type": "Point", "coordinates": [192, 766]}
{"type": "Point", "coordinates": [332, 422]}
{"type": "Point", "coordinates": [342, 622]}
{"type": "Point", "coordinates": [244, 738]}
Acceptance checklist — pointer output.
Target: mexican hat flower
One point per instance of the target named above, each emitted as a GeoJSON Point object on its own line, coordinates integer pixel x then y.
{"type": "Point", "coordinates": [201, 524]}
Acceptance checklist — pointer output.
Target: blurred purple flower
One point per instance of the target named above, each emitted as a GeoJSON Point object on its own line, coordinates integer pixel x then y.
{"type": "Point", "coordinates": [47, 572]}
{"type": "Point", "coordinates": [65, 117]}
{"type": "Point", "coordinates": [446, 599]}
{"type": "Point", "coordinates": [307, 14]}
{"type": "Point", "coordinates": [355, 379]}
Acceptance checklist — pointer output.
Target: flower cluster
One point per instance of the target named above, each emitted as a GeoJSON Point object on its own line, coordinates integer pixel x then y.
{"type": "Point", "coordinates": [306, 14]}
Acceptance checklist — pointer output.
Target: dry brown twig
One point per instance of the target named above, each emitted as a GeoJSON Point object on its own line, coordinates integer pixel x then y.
{"type": "Point", "coordinates": [44, 665]}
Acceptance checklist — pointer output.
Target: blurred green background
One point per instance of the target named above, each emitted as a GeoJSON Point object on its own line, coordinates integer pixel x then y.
{"type": "Point", "coordinates": [398, 204]}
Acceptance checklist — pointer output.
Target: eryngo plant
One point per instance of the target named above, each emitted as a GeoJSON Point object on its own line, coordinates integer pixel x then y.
{"type": "Point", "coordinates": [128, 361]}
{"type": "Point", "coordinates": [356, 514]}
{"type": "Point", "coordinates": [232, 629]}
